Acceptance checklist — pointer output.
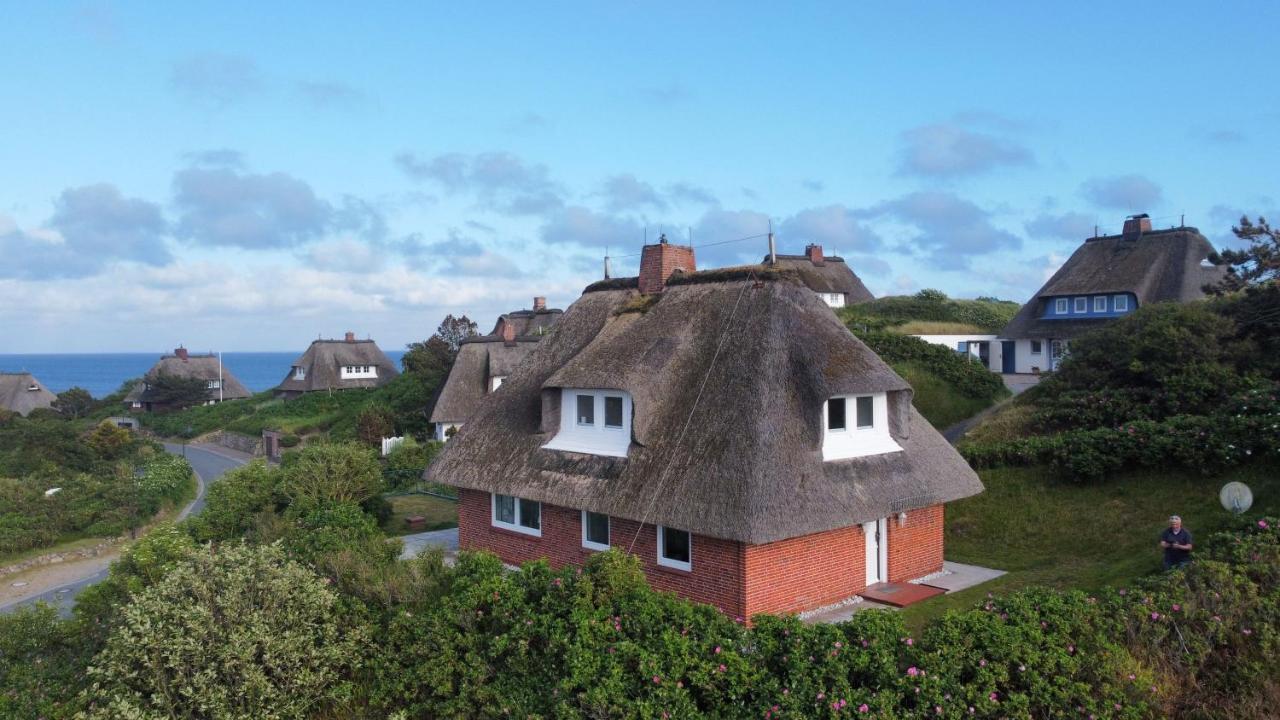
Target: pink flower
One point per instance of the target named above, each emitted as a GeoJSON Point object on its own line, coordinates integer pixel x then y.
{"type": "Point", "coordinates": [839, 644]}
{"type": "Point", "coordinates": [1263, 524]}
{"type": "Point", "coordinates": [722, 668]}
{"type": "Point", "coordinates": [656, 680]}
{"type": "Point", "coordinates": [913, 671]}
{"type": "Point", "coordinates": [1176, 607]}
{"type": "Point", "coordinates": [982, 663]}
{"type": "Point", "coordinates": [993, 697]}
{"type": "Point", "coordinates": [863, 708]}
{"type": "Point", "coordinates": [1247, 631]}
{"type": "Point", "coordinates": [1155, 616]}
{"type": "Point", "coordinates": [821, 695]}
{"type": "Point", "coordinates": [717, 650]}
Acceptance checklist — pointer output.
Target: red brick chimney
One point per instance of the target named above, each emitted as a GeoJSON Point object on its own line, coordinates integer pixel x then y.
{"type": "Point", "coordinates": [1137, 224]}
{"type": "Point", "coordinates": [351, 337]}
{"type": "Point", "coordinates": [814, 253]}
{"type": "Point", "coordinates": [508, 332]}
{"type": "Point", "coordinates": [658, 262]}
{"type": "Point", "coordinates": [539, 303]}
{"type": "Point", "coordinates": [181, 352]}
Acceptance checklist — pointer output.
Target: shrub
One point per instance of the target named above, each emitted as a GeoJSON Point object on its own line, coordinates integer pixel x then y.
{"type": "Point", "coordinates": [289, 441]}
{"type": "Point", "coordinates": [373, 424]}
{"type": "Point", "coordinates": [243, 633]}
{"type": "Point", "coordinates": [232, 502]}
{"type": "Point", "coordinates": [42, 664]}
{"type": "Point", "coordinates": [339, 472]}
{"type": "Point", "coordinates": [968, 378]}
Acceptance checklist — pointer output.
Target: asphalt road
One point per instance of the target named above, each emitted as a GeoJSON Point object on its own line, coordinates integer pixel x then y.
{"type": "Point", "coordinates": [209, 466]}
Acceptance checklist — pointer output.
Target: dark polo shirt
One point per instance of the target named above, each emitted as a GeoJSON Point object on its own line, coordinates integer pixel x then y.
{"type": "Point", "coordinates": [1172, 555]}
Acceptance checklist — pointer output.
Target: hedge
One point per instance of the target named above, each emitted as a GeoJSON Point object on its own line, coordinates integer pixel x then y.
{"type": "Point", "coordinates": [968, 377]}
{"type": "Point", "coordinates": [1248, 429]}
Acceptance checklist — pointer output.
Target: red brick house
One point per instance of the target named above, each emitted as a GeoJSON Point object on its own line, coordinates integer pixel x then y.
{"type": "Point", "coordinates": [724, 427]}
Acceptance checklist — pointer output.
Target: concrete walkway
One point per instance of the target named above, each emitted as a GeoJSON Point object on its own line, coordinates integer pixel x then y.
{"type": "Point", "coordinates": [1017, 384]}
{"type": "Point", "coordinates": [953, 578]}
{"type": "Point", "coordinates": [415, 544]}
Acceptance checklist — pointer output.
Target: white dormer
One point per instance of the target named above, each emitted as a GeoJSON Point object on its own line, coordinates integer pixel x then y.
{"type": "Point", "coordinates": [835, 300]}
{"type": "Point", "coordinates": [299, 372]}
{"type": "Point", "coordinates": [359, 372]}
{"type": "Point", "coordinates": [495, 382]}
{"type": "Point", "coordinates": [856, 426]}
{"type": "Point", "coordinates": [597, 422]}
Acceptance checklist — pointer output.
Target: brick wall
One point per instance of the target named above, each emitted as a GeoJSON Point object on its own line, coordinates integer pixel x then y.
{"type": "Point", "coordinates": [916, 548]}
{"type": "Point", "coordinates": [790, 575]}
{"type": "Point", "coordinates": [716, 577]}
{"type": "Point", "coordinates": [806, 572]}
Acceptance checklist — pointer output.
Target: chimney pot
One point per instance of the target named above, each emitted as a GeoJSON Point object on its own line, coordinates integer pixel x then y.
{"type": "Point", "coordinates": [539, 303]}
{"type": "Point", "coordinates": [659, 262]}
{"type": "Point", "coordinates": [508, 332]}
{"type": "Point", "coordinates": [1137, 224]}
{"type": "Point", "coordinates": [351, 337]}
{"type": "Point", "coordinates": [181, 352]}
{"type": "Point", "coordinates": [814, 253]}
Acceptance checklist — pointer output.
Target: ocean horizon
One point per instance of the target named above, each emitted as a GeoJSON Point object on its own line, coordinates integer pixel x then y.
{"type": "Point", "coordinates": [103, 373]}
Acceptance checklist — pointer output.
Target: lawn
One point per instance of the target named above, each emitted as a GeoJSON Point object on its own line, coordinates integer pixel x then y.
{"type": "Point", "coordinates": [937, 400]}
{"type": "Point", "coordinates": [935, 327]}
{"type": "Point", "coordinates": [439, 513]}
{"type": "Point", "coordinates": [1044, 531]}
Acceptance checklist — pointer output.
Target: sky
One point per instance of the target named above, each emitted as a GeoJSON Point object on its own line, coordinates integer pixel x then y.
{"type": "Point", "coordinates": [249, 176]}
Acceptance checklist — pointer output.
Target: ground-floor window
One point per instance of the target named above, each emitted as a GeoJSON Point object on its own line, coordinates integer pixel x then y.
{"type": "Point", "coordinates": [518, 514]}
{"type": "Point", "coordinates": [675, 548]}
{"type": "Point", "coordinates": [595, 530]}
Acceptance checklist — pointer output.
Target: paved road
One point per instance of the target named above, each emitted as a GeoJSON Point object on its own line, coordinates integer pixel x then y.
{"type": "Point", "coordinates": [1017, 384]}
{"type": "Point", "coordinates": [209, 466]}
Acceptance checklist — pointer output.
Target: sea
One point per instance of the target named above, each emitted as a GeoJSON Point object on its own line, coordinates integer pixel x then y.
{"type": "Point", "coordinates": [103, 373]}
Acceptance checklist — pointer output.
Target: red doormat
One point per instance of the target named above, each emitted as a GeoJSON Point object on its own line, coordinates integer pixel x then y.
{"type": "Point", "coordinates": [900, 594]}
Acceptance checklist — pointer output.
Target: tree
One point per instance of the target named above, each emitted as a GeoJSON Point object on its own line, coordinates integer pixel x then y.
{"type": "Point", "coordinates": [74, 403]}
{"type": "Point", "coordinates": [233, 502]}
{"type": "Point", "coordinates": [341, 472]}
{"type": "Point", "coordinates": [373, 424]}
{"type": "Point", "coordinates": [430, 359]}
{"type": "Point", "coordinates": [236, 632]}
{"type": "Point", "coordinates": [454, 330]}
{"type": "Point", "coordinates": [178, 391]}
{"type": "Point", "coordinates": [108, 441]}
{"type": "Point", "coordinates": [1254, 266]}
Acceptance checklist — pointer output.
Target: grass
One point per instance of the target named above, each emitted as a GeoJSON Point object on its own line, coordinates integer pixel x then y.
{"type": "Point", "coordinates": [933, 327]}
{"type": "Point", "coordinates": [937, 400]}
{"type": "Point", "coordinates": [1047, 532]}
{"type": "Point", "coordinates": [439, 513]}
{"type": "Point", "coordinates": [1011, 422]}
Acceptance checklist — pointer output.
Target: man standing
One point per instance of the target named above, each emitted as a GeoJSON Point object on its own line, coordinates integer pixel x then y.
{"type": "Point", "coordinates": [1176, 541]}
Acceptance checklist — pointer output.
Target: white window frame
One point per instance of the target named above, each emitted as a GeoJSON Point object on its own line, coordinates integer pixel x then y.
{"type": "Point", "coordinates": [590, 545]}
{"type": "Point", "coordinates": [1100, 300]}
{"type": "Point", "coordinates": [1037, 347]}
{"type": "Point", "coordinates": [213, 384]}
{"type": "Point", "coordinates": [853, 441]}
{"type": "Point", "coordinates": [496, 381]}
{"type": "Point", "coordinates": [662, 546]}
{"type": "Point", "coordinates": [1081, 305]}
{"type": "Point", "coordinates": [516, 526]}
{"type": "Point", "coordinates": [596, 438]}
{"type": "Point", "coordinates": [1061, 306]}
{"type": "Point", "coordinates": [299, 373]}
{"type": "Point", "coordinates": [1121, 303]}
{"type": "Point", "coordinates": [358, 372]}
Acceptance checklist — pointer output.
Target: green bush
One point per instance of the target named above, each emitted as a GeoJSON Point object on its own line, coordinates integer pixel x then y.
{"type": "Point", "coordinates": [42, 662]}
{"type": "Point", "coordinates": [988, 314]}
{"type": "Point", "coordinates": [240, 632]}
{"type": "Point", "coordinates": [969, 378]}
{"type": "Point", "coordinates": [232, 502]}
{"type": "Point", "coordinates": [325, 473]}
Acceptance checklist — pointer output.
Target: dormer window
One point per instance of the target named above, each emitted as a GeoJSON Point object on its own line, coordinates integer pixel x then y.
{"type": "Point", "coordinates": [359, 372]}
{"type": "Point", "coordinates": [1122, 303]}
{"type": "Point", "coordinates": [1060, 306]}
{"type": "Point", "coordinates": [495, 382]}
{"type": "Point", "coordinates": [856, 426]}
{"type": "Point", "coordinates": [597, 422]}
{"type": "Point", "coordinates": [213, 384]}
{"type": "Point", "coordinates": [299, 373]}
{"type": "Point", "coordinates": [1082, 305]}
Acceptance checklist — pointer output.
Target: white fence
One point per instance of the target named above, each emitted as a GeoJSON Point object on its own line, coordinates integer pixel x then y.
{"type": "Point", "coordinates": [391, 443]}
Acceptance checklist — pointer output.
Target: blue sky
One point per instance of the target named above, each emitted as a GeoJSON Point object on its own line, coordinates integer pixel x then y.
{"type": "Point", "coordinates": [247, 178]}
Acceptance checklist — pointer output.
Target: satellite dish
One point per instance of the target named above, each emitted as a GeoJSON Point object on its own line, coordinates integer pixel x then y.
{"type": "Point", "coordinates": [1236, 497]}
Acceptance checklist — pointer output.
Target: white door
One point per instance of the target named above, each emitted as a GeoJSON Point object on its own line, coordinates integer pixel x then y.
{"type": "Point", "coordinates": [877, 551]}
{"type": "Point", "coordinates": [1057, 349]}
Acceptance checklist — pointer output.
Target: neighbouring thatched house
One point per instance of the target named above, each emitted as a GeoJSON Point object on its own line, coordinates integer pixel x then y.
{"type": "Point", "coordinates": [484, 362]}
{"type": "Point", "coordinates": [724, 427]}
{"type": "Point", "coordinates": [1106, 278]}
{"type": "Point", "coordinates": [21, 393]}
{"type": "Point", "coordinates": [829, 276]}
{"type": "Point", "coordinates": [346, 364]}
{"type": "Point", "coordinates": [220, 384]}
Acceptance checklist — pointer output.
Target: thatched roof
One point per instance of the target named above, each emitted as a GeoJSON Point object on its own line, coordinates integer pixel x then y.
{"type": "Point", "coordinates": [17, 395]}
{"type": "Point", "coordinates": [324, 361]}
{"type": "Point", "coordinates": [204, 367]}
{"type": "Point", "coordinates": [832, 276]}
{"type": "Point", "coordinates": [750, 465]}
{"type": "Point", "coordinates": [1156, 266]}
{"type": "Point", "coordinates": [482, 358]}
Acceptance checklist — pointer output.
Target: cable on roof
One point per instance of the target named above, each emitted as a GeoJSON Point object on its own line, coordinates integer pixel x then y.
{"type": "Point", "coordinates": [724, 333]}
{"type": "Point", "coordinates": [702, 245]}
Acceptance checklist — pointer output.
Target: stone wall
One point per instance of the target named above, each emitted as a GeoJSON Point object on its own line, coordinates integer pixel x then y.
{"type": "Point", "coordinates": [60, 557]}
{"type": "Point", "coordinates": [236, 441]}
